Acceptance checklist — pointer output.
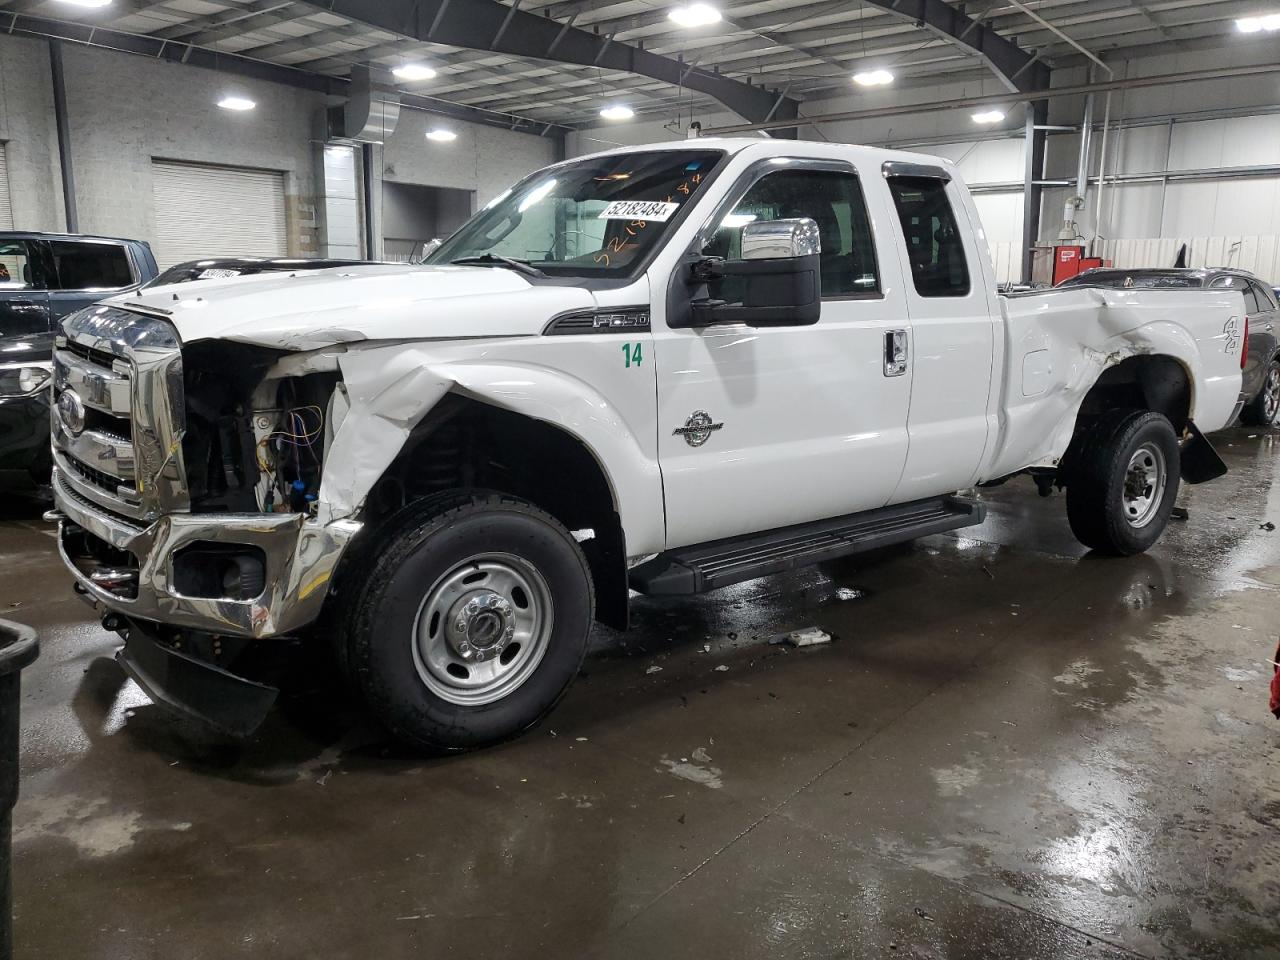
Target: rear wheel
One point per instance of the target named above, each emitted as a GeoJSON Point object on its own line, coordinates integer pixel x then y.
{"type": "Point", "coordinates": [1123, 485]}
{"type": "Point", "coordinates": [1264, 409]}
{"type": "Point", "coordinates": [472, 622]}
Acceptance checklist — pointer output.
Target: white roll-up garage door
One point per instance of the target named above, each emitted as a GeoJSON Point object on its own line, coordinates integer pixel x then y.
{"type": "Point", "coordinates": [6, 209]}
{"type": "Point", "coordinates": [204, 211]}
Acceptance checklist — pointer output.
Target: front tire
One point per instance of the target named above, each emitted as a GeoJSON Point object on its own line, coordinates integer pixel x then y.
{"type": "Point", "coordinates": [472, 622]}
{"type": "Point", "coordinates": [1264, 409]}
{"type": "Point", "coordinates": [1124, 483]}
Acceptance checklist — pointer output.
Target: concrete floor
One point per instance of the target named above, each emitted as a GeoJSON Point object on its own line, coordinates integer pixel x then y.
{"type": "Point", "coordinates": [1011, 750]}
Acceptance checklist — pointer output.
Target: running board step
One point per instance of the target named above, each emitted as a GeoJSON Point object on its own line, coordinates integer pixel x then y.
{"type": "Point", "coordinates": [708, 566]}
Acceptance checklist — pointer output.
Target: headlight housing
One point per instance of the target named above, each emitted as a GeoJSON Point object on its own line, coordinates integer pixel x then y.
{"type": "Point", "coordinates": [24, 379]}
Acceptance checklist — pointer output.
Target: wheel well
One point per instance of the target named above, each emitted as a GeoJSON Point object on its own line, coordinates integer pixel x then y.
{"type": "Point", "coordinates": [464, 443]}
{"type": "Point", "coordinates": [1153, 382]}
{"type": "Point", "coordinates": [1157, 383]}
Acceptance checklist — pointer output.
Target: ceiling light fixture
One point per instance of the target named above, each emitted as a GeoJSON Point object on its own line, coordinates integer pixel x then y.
{"type": "Point", "coordinates": [989, 116]}
{"type": "Point", "coordinates": [413, 71]}
{"type": "Point", "coordinates": [691, 15]}
{"type": "Point", "coordinates": [1268, 22]}
{"type": "Point", "coordinates": [619, 111]}
{"type": "Point", "coordinates": [236, 103]}
{"type": "Point", "coordinates": [873, 78]}
{"type": "Point", "coordinates": [91, 4]}
{"type": "Point", "coordinates": [441, 135]}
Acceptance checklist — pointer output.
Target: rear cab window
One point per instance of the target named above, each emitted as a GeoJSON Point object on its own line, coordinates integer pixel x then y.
{"type": "Point", "coordinates": [91, 266]}
{"type": "Point", "coordinates": [935, 246]}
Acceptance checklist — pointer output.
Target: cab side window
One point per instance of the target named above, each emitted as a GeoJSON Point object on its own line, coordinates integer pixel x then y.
{"type": "Point", "coordinates": [834, 201]}
{"type": "Point", "coordinates": [935, 247]}
{"type": "Point", "coordinates": [17, 271]}
{"type": "Point", "coordinates": [91, 266]}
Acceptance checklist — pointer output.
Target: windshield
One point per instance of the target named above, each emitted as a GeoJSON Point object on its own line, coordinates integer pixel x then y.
{"type": "Point", "coordinates": [598, 217]}
{"type": "Point", "coordinates": [1135, 280]}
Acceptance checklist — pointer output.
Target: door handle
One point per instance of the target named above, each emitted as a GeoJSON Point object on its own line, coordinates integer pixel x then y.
{"type": "Point", "coordinates": [895, 353]}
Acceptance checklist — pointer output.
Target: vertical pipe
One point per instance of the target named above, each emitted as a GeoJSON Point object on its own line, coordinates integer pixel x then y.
{"type": "Point", "coordinates": [1037, 116]}
{"type": "Point", "coordinates": [64, 137]}
{"type": "Point", "coordinates": [1102, 176]}
{"type": "Point", "coordinates": [1086, 141]}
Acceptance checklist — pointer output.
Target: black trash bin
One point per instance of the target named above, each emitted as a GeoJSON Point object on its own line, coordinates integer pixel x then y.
{"type": "Point", "coordinates": [18, 648]}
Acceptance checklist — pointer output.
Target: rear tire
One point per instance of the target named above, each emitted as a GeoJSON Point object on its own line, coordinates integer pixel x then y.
{"type": "Point", "coordinates": [472, 622]}
{"type": "Point", "coordinates": [1124, 483]}
{"type": "Point", "coordinates": [1264, 409]}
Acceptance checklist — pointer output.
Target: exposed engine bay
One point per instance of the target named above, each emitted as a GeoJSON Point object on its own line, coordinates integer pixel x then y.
{"type": "Point", "coordinates": [254, 442]}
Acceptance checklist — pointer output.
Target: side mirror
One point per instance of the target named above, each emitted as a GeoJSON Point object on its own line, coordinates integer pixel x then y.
{"type": "Point", "coordinates": [781, 239]}
{"type": "Point", "coordinates": [782, 273]}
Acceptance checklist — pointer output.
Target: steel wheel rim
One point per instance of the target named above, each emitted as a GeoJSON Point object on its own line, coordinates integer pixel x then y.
{"type": "Point", "coordinates": [1144, 483]}
{"type": "Point", "coordinates": [1271, 395]}
{"type": "Point", "coordinates": [482, 629]}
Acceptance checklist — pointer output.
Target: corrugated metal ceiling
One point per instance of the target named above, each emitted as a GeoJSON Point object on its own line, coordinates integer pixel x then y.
{"type": "Point", "coordinates": [807, 48]}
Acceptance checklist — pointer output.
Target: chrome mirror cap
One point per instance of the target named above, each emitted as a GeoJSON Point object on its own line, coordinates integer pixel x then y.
{"type": "Point", "coordinates": [780, 239]}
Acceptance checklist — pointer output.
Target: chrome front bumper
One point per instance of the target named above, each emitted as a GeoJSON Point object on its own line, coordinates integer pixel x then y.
{"type": "Point", "coordinates": [301, 557]}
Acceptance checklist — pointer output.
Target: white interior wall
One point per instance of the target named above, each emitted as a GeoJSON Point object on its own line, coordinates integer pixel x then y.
{"type": "Point", "coordinates": [1237, 216]}
{"type": "Point", "coordinates": [126, 111]}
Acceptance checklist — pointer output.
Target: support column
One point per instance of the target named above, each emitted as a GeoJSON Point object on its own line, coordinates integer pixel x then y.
{"type": "Point", "coordinates": [1037, 118]}
{"type": "Point", "coordinates": [64, 137]}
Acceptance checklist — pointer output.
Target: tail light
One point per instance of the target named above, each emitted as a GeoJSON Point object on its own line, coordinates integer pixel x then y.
{"type": "Point", "coordinates": [1244, 349]}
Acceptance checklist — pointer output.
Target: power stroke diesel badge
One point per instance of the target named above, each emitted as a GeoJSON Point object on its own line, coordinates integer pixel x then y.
{"type": "Point", "coordinates": [697, 429]}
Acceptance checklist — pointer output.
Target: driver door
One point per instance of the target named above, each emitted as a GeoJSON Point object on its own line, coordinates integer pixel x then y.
{"type": "Point", "coordinates": [764, 427]}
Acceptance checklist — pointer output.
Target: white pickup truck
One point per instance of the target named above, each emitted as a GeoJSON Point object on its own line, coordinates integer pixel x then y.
{"type": "Point", "coordinates": [662, 369]}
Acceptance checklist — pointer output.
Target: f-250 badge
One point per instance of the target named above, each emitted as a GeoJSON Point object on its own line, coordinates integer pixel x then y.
{"type": "Point", "coordinates": [697, 429]}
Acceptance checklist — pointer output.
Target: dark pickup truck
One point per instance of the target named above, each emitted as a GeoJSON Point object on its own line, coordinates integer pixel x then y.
{"type": "Point", "coordinates": [44, 277]}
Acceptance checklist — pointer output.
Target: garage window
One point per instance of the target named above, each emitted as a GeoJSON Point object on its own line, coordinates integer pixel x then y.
{"type": "Point", "coordinates": [91, 266]}
{"type": "Point", "coordinates": [209, 211]}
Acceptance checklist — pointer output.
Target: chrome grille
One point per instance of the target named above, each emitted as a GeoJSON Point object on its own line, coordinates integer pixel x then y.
{"type": "Point", "coordinates": [96, 477]}
{"type": "Point", "coordinates": [123, 452]}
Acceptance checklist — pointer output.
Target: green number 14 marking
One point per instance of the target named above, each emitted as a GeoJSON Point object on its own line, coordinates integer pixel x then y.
{"type": "Point", "coordinates": [634, 353]}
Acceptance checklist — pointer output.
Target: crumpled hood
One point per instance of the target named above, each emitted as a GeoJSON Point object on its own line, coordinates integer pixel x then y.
{"type": "Point", "coordinates": [318, 308]}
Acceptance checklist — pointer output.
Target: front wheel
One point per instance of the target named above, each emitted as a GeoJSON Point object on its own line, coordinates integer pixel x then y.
{"type": "Point", "coordinates": [1123, 485]}
{"type": "Point", "coordinates": [1264, 409]}
{"type": "Point", "coordinates": [472, 622]}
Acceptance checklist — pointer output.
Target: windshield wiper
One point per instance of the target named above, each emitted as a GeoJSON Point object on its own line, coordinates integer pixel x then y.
{"type": "Point", "coordinates": [492, 260]}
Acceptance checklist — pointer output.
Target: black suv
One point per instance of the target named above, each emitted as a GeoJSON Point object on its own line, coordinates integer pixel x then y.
{"type": "Point", "coordinates": [44, 277]}
{"type": "Point", "coordinates": [1260, 383]}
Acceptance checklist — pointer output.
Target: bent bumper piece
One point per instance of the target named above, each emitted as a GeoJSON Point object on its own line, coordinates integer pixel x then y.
{"type": "Point", "coordinates": [195, 688]}
{"type": "Point", "coordinates": [301, 556]}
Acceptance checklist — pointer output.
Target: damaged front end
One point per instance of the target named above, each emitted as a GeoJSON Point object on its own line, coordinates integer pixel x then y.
{"type": "Point", "coordinates": [187, 484]}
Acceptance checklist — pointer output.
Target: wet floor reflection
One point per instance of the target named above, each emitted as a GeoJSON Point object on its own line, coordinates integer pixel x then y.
{"type": "Point", "coordinates": [1011, 749]}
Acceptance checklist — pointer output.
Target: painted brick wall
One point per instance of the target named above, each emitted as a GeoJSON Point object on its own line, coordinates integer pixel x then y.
{"type": "Point", "coordinates": [30, 135]}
